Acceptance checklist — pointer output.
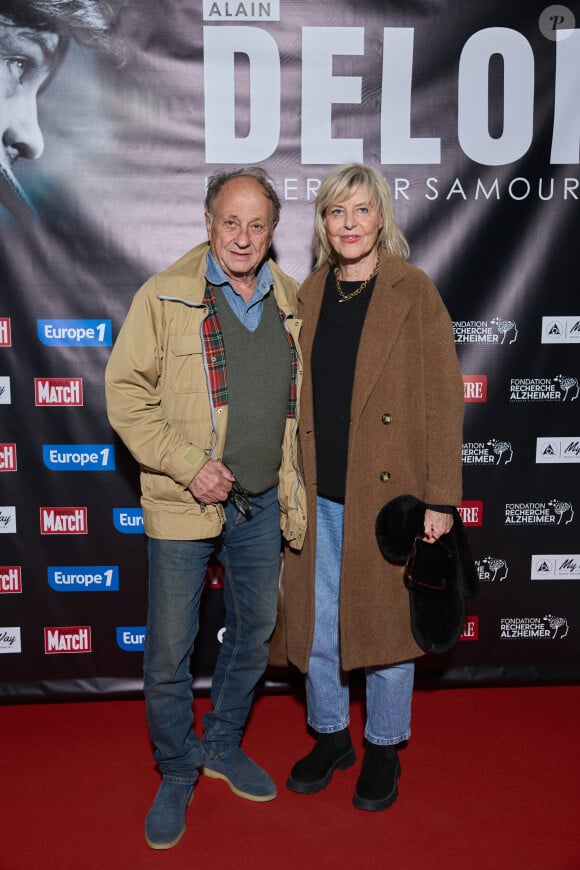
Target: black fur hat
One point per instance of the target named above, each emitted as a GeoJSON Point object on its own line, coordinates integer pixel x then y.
{"type": "Point", "coordinates": [398, 524]}
{"type": "Point", "coordinates": [439, 576]}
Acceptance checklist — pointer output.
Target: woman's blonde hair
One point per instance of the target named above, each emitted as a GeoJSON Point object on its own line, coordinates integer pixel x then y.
{"type": "Point", "coordinates": [342, 184]}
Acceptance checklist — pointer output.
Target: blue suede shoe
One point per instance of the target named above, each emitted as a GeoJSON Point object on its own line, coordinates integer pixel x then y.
{"type": "Point", "coordinates": [243, 775]}
{"type": "Point", "coordinates": [165, 822]}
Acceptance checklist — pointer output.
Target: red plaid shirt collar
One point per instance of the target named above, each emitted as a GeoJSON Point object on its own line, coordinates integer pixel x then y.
{"type": "Point", "coordinates": [216, 358]}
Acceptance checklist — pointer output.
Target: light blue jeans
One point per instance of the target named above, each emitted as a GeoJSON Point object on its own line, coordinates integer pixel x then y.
{"type": "Point", "coordinates": [250, 553]}
{"type": "Point", "coordinates": [388, 689]}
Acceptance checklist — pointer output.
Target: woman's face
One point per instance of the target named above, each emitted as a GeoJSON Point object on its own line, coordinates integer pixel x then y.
{"type": "Point", "coordinates": [353, 227]}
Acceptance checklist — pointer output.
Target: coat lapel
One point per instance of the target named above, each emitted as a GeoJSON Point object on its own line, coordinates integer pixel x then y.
{"type": "Point", "coordinates": [386, 315]}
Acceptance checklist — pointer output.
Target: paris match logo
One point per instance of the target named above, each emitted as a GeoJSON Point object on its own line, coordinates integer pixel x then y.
{"type": "Point", "coordinates": [63, 521]}
{"type": "Point", "coordinates": [5, 332]}
{"type": "Point", "coordinates": [214, 576]}
{"type": "Point", "coordinates": [8, 457]}
{"type": "Point", "coordinates": [10, 579]}
{"type": "Point", "coordinates": [67, 639]}
{"type": "Point", "coordinates": [58, 392]}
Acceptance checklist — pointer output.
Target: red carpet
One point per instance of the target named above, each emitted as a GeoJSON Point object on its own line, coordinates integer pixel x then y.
{"type": "Point", "coordinates": [491, 779]}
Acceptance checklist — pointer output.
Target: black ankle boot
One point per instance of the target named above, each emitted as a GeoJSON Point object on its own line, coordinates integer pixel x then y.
{"type": "Point", "coordinates": [376, 787]}
{"type": "Point", "coordinates": [313, 773]}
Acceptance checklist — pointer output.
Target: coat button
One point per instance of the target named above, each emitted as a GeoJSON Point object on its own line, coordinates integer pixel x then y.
{"type": "Point", "coordinates": [386, 418]}
{"type": "Point", "coordinates": [385, 475]}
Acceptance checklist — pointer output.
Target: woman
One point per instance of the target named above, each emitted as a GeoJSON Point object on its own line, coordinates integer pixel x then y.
{"type": "Point", "coordinates": [381, 416]}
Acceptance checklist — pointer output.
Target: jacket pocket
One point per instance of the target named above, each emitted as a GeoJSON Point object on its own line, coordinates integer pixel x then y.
{"type": "Point", "coordinates": [159, 489]}
{"type": "Point", "coordinates": [185, 370]}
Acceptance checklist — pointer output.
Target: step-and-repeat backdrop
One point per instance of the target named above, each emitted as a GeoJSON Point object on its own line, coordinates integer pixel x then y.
{"type": "Point", "coordinates": [111, 124]}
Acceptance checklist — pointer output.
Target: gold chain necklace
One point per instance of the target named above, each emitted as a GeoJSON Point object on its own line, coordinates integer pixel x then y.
{"type": "Point", "coordinates": [344, 297]}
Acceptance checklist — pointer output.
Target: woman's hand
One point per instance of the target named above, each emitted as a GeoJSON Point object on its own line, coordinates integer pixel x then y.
{"type": "Point", "coordinates": [436, 524]}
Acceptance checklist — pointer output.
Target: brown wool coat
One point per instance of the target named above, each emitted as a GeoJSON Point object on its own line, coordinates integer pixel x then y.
{"type": "Point", "coordinates": [405, 437]}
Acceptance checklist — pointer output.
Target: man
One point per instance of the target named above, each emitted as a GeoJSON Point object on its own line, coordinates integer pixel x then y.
{"type": "Point", "coordinates": [34, 35]}
{"type": "Point", "coordinates": [202, 385]}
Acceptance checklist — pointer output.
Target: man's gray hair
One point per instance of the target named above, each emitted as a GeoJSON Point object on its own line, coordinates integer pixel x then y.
{"type": "Point", "coordinates": [219, 179]}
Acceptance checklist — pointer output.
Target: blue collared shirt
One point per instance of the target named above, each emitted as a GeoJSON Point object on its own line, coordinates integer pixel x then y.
{"type": "Point", "coordinates": [249, 313]}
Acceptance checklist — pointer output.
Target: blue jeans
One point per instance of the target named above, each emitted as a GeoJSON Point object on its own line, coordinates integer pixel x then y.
{"type": "Point", "coordinates": [388, 689]}
{"type": "Point", "coordinates": [249, 550]}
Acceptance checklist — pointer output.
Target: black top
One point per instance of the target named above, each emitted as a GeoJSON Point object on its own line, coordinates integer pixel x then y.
{"type": "Point", "coordinates": [334, 353]}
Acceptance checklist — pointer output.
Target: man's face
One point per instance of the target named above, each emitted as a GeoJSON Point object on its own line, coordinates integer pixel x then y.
{"type": "Point", "coordinates": [27, 58]}
{"type": "Point", "coordinates": [240, 230]}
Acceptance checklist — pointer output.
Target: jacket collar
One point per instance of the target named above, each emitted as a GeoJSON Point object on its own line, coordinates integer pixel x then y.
{"type": "Point", "coordinates": [190, 271]}
{"type": "Point", "coordinates": [387, 312]}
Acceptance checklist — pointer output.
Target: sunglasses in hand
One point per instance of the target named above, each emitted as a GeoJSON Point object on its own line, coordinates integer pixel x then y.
{"type": "Point", "coordinates": [241, 499]}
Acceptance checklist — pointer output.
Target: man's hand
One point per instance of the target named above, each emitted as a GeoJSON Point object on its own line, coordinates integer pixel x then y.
{"type": "Point", "coordinates": [212, 483]}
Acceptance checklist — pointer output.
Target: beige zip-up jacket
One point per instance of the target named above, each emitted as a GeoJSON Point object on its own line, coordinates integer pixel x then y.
{"type": "Point", "coordinates": [159, 403]}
